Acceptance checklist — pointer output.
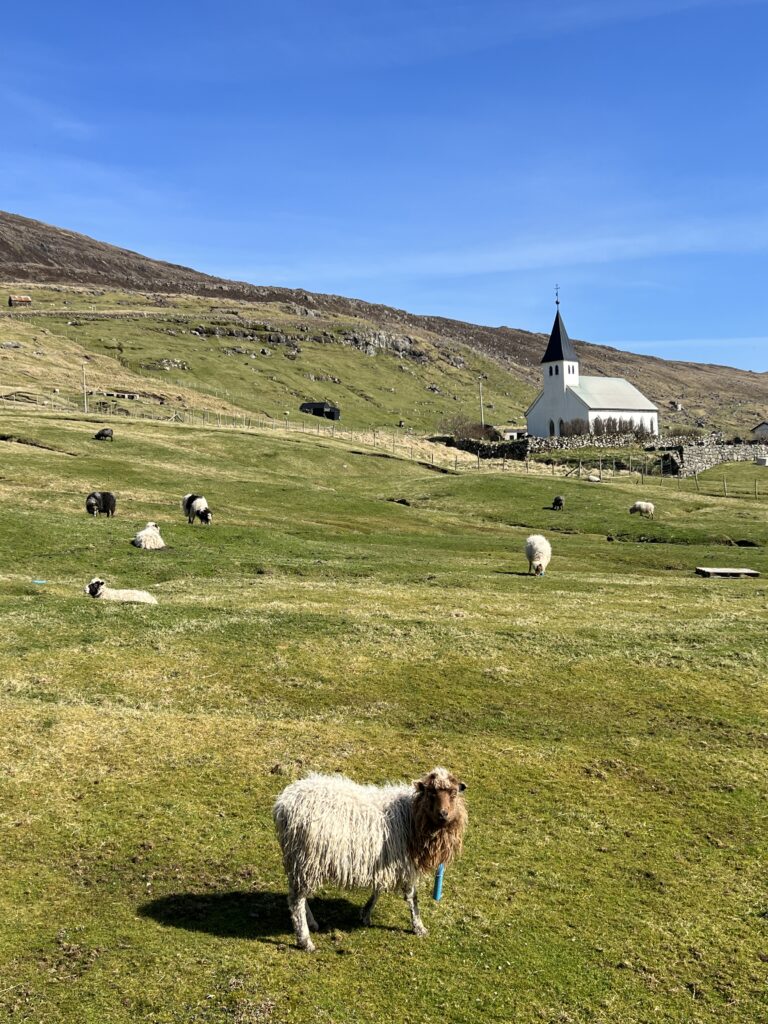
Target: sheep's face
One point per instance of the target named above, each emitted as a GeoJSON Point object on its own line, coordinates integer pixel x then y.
{"type": "Point", "coordinates": [94, 587]}
{"type": "Point", "coordinates": [91, 507]}
{"type": "Point", "coordinates": [538, 569]}
{"type": "Point", "coordinates": [152, 526]}
{"type": "Point", "coordinates": [633, 510]}
{"type": "Point", "coordinates": [440, 794]}
{"type": "Point", "coordinates": [205, 516]}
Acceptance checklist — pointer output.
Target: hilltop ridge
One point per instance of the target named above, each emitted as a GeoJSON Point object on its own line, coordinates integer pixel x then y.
{"type": "Point", "coordinates": [35, 253]}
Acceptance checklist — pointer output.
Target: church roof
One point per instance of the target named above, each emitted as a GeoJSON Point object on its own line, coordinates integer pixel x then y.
{"type": "Point", "coordinates": [611, 394]}
{"type": "Point", "coordinates": [560, 346]}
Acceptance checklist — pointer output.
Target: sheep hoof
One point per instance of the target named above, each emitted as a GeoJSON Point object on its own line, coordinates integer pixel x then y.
{"type": "Point", "coordinates": [313, 926]}
{"type": "Point", "coordinates": [365, 919]}
{"type": "Point", "coordinates": [420, 930]}
{"type": "Point", "coordinates": [308, 946]}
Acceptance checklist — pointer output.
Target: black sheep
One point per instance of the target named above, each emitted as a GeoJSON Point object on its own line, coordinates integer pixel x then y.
{"type": "Point", "coordinates": [100, 503]}
{"type": "Point", "coordinates": [105, 434]}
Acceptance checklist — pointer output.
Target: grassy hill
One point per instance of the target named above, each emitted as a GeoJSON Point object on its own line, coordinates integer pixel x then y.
{"type": "Point", "coordinates": [41, 258]}
{"type": "Point", "coordinates": [608, 718]}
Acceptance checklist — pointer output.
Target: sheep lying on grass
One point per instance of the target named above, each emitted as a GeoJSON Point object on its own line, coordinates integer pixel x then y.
{"type": "Point", "coordinates": [538, 551]}
{"type": "Point", "coordinates": [98, 588]}
{"type": "Point", "coordinates": [645, 508]}
{"type": "Point", "coordinates": [149, 538]}
{"type": "Point", "coordinates": [332, 830]}
{"type": "Point", "coordinates": [100, 503]}
{"type": "Point", "coordinates": [558, 503]}
{"type": "Point", "coordinates": [195, 505]}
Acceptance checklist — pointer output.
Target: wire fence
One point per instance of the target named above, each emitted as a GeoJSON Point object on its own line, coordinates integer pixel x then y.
{"type": "Point", "coordinates": [647, 471]}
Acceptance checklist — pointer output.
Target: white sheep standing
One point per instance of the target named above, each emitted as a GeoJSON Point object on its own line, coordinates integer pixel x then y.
{"type": "Point", "coordinates": [98, 588]}
{"type": "Point", "coordinates": [645, 508]}
{"type": "Point", "coordinates": [333, 831]}
{"type": "Point", "coordinates": [149, 538]}
{"type": "Point", "coordinates": [538, 551]}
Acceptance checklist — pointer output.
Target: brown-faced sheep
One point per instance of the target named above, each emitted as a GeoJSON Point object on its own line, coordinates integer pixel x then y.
{"type": "Point", "coordinates": [332, 830]}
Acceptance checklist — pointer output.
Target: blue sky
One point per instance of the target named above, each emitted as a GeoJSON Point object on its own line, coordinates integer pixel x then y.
{"type": "Point", "coordinates": [455, 158]}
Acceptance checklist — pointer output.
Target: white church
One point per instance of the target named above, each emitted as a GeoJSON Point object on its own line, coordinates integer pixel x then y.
{"type": "Point", "coordinates": [567, 395]}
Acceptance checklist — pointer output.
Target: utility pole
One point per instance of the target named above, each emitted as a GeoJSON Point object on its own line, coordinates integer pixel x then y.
{"type": "Point", "coordinates": [85, 393]}
{"type": "Point", "coordinates": [482, 414]}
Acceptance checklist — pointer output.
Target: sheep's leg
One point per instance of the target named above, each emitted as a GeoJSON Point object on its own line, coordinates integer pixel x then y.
{"type": "Point", "coordinates": [365, 913]}
{"type": "Point", "coordinates": [412, 899]}
{"type": "Point", "coordinates": [298, 907]}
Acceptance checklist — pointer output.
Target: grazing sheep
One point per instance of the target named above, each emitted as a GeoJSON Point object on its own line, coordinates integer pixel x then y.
{"type": "Point", "coordinates": [538, 551]}
{"type": "Point", "coordinates": [105, 434]}
{"type": "Point", "coordinates": [332, 830]}
{"type": "Point", "coordinates": [645, 508]}
{"type": "Point", "coordinates": [149, 538]}
{"type": "Point", "coordinates": [98, 588]}
{"type": "Point", "coordinates": [558, 503]}
{"type": "Point", "coordinates": [100, 503]}
{"type": "Point", "coordinates": [195, 505]}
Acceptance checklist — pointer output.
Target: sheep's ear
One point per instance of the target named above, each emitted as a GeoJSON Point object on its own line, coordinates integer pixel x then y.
{"type": "Point", "coordinates": [419, 786]}
{"type": "Point", "coordinates": [462, 786]}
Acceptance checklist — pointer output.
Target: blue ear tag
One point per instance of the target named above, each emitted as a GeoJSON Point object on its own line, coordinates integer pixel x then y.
{"type": "Point", "coordinates": [437, 891]}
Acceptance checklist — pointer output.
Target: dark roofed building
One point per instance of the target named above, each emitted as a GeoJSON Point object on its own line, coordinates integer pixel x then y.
{"type": "Point", "coordinates": [326, 409]}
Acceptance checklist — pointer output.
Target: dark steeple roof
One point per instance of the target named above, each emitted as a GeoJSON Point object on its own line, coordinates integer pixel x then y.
{"type": "Point", "coordinates": [560, 346]}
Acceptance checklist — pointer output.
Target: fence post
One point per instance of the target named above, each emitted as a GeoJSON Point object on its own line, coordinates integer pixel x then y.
{"type": "Point", "coordinates": [725, 487]}
{"type": "Point", "coordinates": [696, 478]}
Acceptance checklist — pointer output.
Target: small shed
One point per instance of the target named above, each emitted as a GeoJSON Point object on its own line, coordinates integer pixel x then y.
{"type": "Point", "coordinates": [326, 409]}
{"type": "Point", "coordinates": [761, 431]}
{"type": "Point", "coordinates": [19, 300]}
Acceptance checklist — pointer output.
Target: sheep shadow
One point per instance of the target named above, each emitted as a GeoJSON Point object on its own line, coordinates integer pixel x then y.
{"type": "Point", "coordinates": [246, 915]}
{"type": "Point", "coordinates": [511, 572]}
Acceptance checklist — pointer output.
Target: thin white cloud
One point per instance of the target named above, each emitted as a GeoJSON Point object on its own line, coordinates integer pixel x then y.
{"type": "Point", "coordinates": [567, 249]}
{"type": "Point", "coordinates": [45, 115]}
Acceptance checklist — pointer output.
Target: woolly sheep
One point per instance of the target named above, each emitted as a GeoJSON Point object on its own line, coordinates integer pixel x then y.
{"type": "Point", "coordinates": [333, 831]}
{"type": "Point", "coordinates": [98, 588]}
{"type": "Point", "coordinates": [538, 551]}
{"type": "Point", "coordinates": [645, 508]}
{"type": "Point", "coordinates": [149, 538]}
{"type": "Point", "coordinates": [100, 503]}
{"type": "Point", "coordinates": [558, 503]}
{"type": "Point", "coordinates": [105, 434]}
{"type": "Point", "coordinates": [195, 505]}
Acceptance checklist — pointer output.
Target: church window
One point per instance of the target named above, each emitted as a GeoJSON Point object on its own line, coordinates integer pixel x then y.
{"type": "Point", "coordinates": [551, 428]}
{"type": "Point", "coordinates": [561, 428]}
{"type": "Point", "coordinates": [550, 371]}
{"type": "Point", "coordinates": [557, 369]}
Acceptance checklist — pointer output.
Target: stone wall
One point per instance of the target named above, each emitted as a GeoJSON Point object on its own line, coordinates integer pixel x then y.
{"type": "Point", "coordinates": [527, 446]}
{"type": "Point", "coordinates": [690, 458]}
{"type": "Point", "coordinates": [679, 455]}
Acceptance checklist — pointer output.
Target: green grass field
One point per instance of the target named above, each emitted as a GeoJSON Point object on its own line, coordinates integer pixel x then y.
{"type": "Point", "coordinates": [609, 720]}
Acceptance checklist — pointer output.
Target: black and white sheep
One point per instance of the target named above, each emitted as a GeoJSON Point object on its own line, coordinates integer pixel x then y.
{"type": "Point", "coordinates": [195, 505]}
{"type": "Point", "coordinates": [105, 434]}
{"type": "Point", "coordinates": [100, 503]}
{"type": "Point", "coordinates": [98, 588]}
{"type": "Point", "coordinates": [333, 831]}
{"type": "Point", "coordinates": [538, 551]}
{"type": "Point", "coordinates": [645, 508]}
{"type": "Point", "coordinates": [149, 538]}
{"type": "Point", "coordinates": [558, 503]}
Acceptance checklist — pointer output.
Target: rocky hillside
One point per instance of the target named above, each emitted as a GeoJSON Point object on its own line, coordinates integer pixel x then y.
{"type": "Point", "coordinates": [35, 253]}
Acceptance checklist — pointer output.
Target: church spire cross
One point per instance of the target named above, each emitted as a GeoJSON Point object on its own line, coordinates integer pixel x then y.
{"type": "Point", "coordinates": [557, 295]}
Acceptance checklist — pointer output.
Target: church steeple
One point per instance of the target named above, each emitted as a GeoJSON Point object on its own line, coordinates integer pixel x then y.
{"type": "Point", "coordinates": [560, 347]}
{"type": "Point", "coordinates": [560, 359]}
